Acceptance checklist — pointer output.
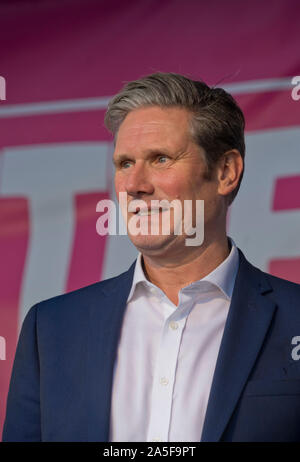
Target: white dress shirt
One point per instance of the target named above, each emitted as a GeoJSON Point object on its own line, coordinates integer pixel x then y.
{"type": "Point", "coordinates": [167, 355]}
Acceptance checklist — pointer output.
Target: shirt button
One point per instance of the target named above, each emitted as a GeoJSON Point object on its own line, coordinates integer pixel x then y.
{"type": "Point", "coordinates": [174, 325]}
{"type": "Point", "coordinates": [164, 381]}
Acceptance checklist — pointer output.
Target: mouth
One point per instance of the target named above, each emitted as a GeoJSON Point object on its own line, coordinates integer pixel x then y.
{"type": "Point", "coordinates": [149, 212]}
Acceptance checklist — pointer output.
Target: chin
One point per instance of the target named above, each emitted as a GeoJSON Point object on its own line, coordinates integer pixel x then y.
{"type": "Point", "coordinates": [151, 244]}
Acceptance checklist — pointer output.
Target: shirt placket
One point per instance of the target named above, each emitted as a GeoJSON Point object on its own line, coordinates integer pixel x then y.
{"type": "Point", "coordinates": [165, 372]}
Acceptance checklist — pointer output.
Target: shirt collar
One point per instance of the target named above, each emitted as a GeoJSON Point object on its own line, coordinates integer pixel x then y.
{"type": "Point", "coordinates": [222, 277]}
{"type": "Point", "coordinates": [138, 277]}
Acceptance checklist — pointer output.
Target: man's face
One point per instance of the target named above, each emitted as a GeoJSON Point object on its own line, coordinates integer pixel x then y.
{"type": "Point", "coordinates": [155, 159]}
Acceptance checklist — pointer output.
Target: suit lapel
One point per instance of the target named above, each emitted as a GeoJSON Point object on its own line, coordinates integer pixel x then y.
{"type": "Point", "coordinates": [106, 314]}
{"type": "Point", "coordinates": [249, 318]}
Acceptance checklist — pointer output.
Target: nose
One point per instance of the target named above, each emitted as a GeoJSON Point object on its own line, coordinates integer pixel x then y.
{"type": "Point", "coordinates": [138, 181]}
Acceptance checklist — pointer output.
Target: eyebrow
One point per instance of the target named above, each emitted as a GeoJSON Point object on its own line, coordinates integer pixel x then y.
{"type": "Point", "coordinates": [120, 158]}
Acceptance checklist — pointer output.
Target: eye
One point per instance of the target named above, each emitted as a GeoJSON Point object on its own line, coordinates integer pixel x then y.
{"type": "Point", "coordinates": [125, 164]}
{"type": "Point", "coordinates": [162, 159]}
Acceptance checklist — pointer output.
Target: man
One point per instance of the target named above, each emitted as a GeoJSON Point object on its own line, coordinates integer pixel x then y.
{"type": "Point", "coordinates": [192, 342]}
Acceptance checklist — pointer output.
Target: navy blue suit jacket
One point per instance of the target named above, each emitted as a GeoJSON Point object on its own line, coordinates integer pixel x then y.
{"type": "Point", "coordinates": [61, 382]}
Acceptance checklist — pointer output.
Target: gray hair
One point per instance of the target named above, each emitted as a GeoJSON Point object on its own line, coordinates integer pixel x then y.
{"type": "Point", "coordinates": [217, 123]}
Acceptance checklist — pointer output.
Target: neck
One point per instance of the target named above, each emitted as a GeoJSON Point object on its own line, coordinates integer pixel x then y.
{"type": "Point", "coordinates": [171, 276]}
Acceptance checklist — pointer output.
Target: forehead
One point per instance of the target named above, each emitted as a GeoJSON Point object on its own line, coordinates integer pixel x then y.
{"type": "Point", "coordinates": [168, 126]}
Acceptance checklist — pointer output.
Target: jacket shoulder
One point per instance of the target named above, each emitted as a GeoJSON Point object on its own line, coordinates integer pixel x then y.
{"type": "Point", "coordinates": [287, 291]}
{"type": "Point", "coordinates": [282, 288]}
{"type": "Point", "coordinates": [283, 284]}
{"type": "Point", "coordinates": [77, 301]}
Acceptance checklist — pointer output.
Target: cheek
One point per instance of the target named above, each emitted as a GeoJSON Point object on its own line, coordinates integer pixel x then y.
{"type": "Point", "coordinates": [173, 185]}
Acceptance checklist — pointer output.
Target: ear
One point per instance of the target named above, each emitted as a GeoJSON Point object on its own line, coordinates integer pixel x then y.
{"type": "Point", "coordinates": [230, 169]}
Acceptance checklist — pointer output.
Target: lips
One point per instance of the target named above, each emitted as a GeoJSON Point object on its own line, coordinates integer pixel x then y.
{"type": "Point", "coordinates": [140, 208]}
{"type": "Point", "coordinates": [144, 212]}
